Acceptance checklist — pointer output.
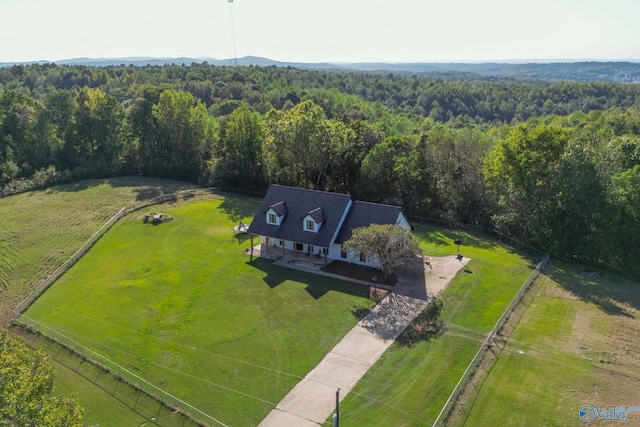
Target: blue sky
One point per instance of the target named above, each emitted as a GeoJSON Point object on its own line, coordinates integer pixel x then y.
{"type": "Point", "coordinates": [327, 30]}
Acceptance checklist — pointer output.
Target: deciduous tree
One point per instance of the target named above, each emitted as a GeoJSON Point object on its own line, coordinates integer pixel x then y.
{"type": "Point", "coordinates": [26, 383]}
{"type": "Point", "coordinates": [392, 246]}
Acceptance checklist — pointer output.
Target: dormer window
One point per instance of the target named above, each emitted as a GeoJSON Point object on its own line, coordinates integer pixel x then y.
{"type": "Point", "coordinates": [313, 220]}
{"type": "Point", "coordinates": [276, 213]}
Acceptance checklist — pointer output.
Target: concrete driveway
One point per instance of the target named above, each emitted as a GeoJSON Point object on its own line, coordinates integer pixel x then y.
{"type": "Point", "coordinates": [312, 400]}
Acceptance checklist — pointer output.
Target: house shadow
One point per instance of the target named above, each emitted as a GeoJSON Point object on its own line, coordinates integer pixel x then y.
{"type": "Point", "coordinates": [606, 290]}
{"type": "Point", "coordinates": [316, 285]}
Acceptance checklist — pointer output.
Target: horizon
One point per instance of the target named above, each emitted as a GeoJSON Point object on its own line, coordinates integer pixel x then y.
{"type": "Point", "coordinates": [535, 61]}
{"type": "Point", "coordinates": [331, 31]}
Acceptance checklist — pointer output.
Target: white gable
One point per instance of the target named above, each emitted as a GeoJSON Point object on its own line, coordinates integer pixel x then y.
{"type": "Point", "coordinates": [403, 222]}
{"type": "Point", "coordinates": [310, 224]}
{"type": "Point", "coordinates": [273, 218]}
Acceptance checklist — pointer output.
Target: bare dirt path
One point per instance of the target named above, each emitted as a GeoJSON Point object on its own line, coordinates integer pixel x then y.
{"type": "Point", "coordinates": [312, 400]}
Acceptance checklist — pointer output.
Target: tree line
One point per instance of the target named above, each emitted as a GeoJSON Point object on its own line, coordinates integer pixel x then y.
{"type": "Point", "coordinates": [554, 164]}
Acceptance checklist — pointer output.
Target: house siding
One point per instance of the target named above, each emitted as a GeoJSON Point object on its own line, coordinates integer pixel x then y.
{"type": "Point", "coordinates": [403, 222]}
{"type": "Point", "coordinates": [338, 213]}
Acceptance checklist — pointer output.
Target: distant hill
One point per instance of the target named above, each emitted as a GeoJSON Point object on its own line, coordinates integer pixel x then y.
{"type": "Point", "coordinates": [585, 71]}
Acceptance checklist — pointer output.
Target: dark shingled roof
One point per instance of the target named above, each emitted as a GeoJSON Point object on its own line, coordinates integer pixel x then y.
{"type": "Point", "coordinates": [279, 208]}
{"type": "Point", "coordinates": [363, 214]}
{"type": "Point", "coordinates": [317, 215]}
{"type": "Point", "coordinates": [300, 203]}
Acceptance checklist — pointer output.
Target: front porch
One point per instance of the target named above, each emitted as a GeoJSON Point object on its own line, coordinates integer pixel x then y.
{"type": "Point", "coordinates": [318, 265]}
{"type": "Point", "coordinates": [276, 252]}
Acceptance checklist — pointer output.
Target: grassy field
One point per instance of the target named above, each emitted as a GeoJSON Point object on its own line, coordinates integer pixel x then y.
{"type": "Point", "coordinates": [181, 305]}
{"type": "Point", "coordinates": [575, 344]}
{"type": "Point", "coordinates": [409, 386]}
{"type": "Point", "coordinates": [39, 230]}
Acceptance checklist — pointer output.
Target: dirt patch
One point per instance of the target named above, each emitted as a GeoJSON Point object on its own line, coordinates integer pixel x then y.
{"type": "Point", "coordinates": [360, 272]}
{"type": "Point", "coordinates": [607, 339]}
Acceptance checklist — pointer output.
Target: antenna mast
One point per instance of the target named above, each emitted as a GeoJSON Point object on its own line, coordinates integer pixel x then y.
{"type": "Point", "coordinates": [233, 61]}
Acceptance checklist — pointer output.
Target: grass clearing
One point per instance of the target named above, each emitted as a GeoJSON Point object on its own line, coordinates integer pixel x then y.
{"type": "Point", "coordinates": [181, 305]}
{"type": "Point", "coordinates": [196, 313]}
{"type": "Point", "coordinates": [409, 386]}
{"type": "Point", "coordinates": [575, 344]}
{"type": "Point", "coordinates": [41, 229]}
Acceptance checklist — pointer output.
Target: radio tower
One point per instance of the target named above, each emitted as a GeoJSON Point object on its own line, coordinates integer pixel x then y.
{"type": "Point", "coordinates": [233, 61]}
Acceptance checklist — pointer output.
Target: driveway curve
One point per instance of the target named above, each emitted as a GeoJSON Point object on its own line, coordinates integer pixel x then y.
{"type": "Point", "coordinates": [312, 400]}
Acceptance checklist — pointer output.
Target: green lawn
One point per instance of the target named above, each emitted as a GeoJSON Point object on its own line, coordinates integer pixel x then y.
{"type": "Point", "coordinates": [39, 230]}
{"type": "Point", "coordinates": [409, 386]}
{"type": "Point", "coordinates": [575, 344]}
{"type": "Point", "coordinates": [181, 305]}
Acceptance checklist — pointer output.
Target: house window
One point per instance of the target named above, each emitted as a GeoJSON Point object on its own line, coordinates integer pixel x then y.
{"type": "Point", "coordinates": [273, 219]}
{"type": "Point", "coordinates": [325, 251]}
{"type": "Point", "coordinates": [299, 247]}
{"type": "Point", "coordinates": [363, 258]}
{"type": "Point", "coordinates": [310, 225]}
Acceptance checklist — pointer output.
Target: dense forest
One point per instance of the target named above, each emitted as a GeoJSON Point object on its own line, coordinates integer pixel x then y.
{"type": "Point", "coordinates": [554, 164]}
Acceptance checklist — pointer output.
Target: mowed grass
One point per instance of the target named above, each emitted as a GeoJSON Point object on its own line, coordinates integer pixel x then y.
{"type": "Point", "coordinates": [409, 386]}
{"type": "Point", "coordinates": [575, 344]}
{"type": "Point", "coordinates": [182, 306]}
{"type": "Point", "coordinates": [39, 230]}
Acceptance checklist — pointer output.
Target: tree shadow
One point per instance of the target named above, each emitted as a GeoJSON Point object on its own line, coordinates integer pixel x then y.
{"type": "Point", "coordinates": [239, 207]}
{"type": "Point", "coordinates": [360, 312]}
{"type": "Point", "coordinates": [373, 294]}
{"type": "Point", "coordinates": [241, 237]}
{"type": "Point", "coordinates": [389, 318]}
{"type": "Point", "coordinates": [426, 326]}
{"type": "Point", "coordinates": [145, 187]}
{"type": "Point", "coordinates": [606, 290]}
{"type": "Point", "coordinates": [441, 236]}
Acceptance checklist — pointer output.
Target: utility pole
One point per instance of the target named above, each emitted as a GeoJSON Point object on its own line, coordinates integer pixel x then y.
{"type": "Point", "coordinates": [336, 416]}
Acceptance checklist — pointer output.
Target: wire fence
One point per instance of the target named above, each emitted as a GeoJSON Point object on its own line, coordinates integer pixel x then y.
{"type": "Point", "coordinates": [65, 266]}
{"type": "Point", "coordinates": [489, 231]}
{"type": "Point", "coordinates": [178, 406]}
{"type": "Point", "coordinates": [165, 198]}
{"type": "Point", "coordinates": [466, 377]}
{"type": "Point", "coordinates": [174, 405]}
